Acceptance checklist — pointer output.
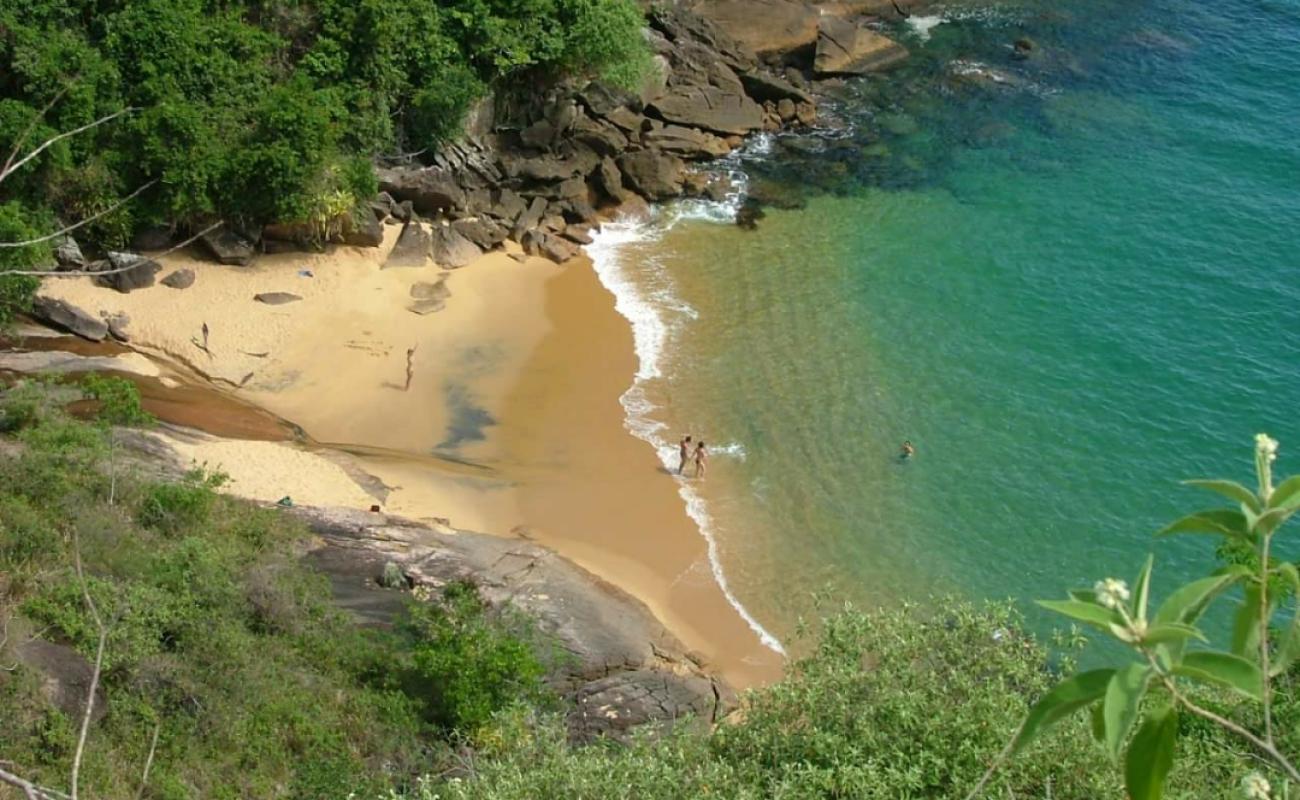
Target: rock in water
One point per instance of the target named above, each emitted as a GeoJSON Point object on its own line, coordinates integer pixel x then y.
{"type": "Point", "coordinates": [128, 271]}
{"type": "Point", "coordinates": [65, 316]}
{"type": "Point", "coordinates": [450, 249]}
{"type": "Point", "coordinates": [653, 175]}
{"type": "Point", "coordinates": [412, 248]}
{"type": "Point", "coordinates": [180, 279]}
{"type": "Point", "coordinates": [228, 247]}
{"type": "Point", "coordinates": [276, 298]}
{"type": "Point", "coordinates": [609, 180]}
{"type": "Point", "coordinates": [844, 48]}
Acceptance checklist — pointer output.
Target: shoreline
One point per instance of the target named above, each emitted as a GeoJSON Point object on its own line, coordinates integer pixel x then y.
{"type": "Point", "coordinates": [511, 425]}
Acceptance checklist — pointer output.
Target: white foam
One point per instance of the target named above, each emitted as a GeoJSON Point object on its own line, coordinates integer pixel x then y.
{"type": "Point", "coordinates": [654, 311]}
{"type": "Point", "coordinates": [923, 25]}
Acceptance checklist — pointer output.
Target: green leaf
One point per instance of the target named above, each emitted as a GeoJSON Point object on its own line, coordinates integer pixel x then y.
{"type": "Point", "coordinates": [1171, 632]}
{"type": "Point", "coordinates": [1272, 519]}
{"type": "Point", "coordinates": [1231, 490]}
{"type": "Point", "coordinates": [1151, 755]}
{"type": "Point", "coordinates": [1245, 626]}
{"type": "Point", "coordinates": [1090, 613]}
{"type": "Point", "coordinates": [1066, 698]}
{"type": "Point", "coordinates": [1286, 494]}
{"type": "Point", "coordinates": [1189, 602]}
{"type": "Point", "coordinates": [1142, 589]}
{"type": "Point", "coordinates": [1223, 669]}
{"type": "Point", "coordinates": [1217, 522]}
{"type": "Point", "coordinates": [1083, 596]}
{"type": "Point", "coordinates": [1120, 707]}
{"type": "Point", "coordinates": [1289, 649]}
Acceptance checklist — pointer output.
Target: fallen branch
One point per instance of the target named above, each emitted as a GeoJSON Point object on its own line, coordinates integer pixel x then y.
{"type": "Point", "coordinates": [11, 168]}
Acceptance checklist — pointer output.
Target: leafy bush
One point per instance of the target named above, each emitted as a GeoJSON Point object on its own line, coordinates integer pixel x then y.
{"type": "Point", "coordinates": [468, 664]}
{"type": "Point", "coordinates": [179, 506]}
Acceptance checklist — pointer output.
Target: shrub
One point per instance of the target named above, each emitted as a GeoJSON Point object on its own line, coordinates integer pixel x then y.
{"type": "Point", "coordinates": [176, 507]}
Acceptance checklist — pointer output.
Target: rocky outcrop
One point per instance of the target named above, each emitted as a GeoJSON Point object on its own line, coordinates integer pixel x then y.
{"type": "Point", "coordinates": [65, 316]}
{"type": "Point", "coordinates": [450, 249]}
{"type": "Point", "coordinates": [228, 247]}
{"type": "Point", "coordinates": [431, 190]}
{"type": "Point", "coordinates": [846, 48]}
{"type": "Point", "coordinates": [622, 667]}
{"type": "Point", "coordinates": [127, 271]}
{"type": "Point", "coordinates": [412, 248]}
{"type": "Point", "coordinates": [653, 175]}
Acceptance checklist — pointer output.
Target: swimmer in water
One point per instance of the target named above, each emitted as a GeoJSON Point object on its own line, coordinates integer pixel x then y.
{"type": "Point", "coordinates": [907, 451]}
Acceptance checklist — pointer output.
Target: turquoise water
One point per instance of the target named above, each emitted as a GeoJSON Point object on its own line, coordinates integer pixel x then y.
{"type": "Point", "coordinates": [1070, 289]}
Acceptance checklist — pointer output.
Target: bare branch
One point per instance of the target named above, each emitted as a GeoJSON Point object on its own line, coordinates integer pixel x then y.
{"type": "Point", "coordinates": [70, 228]}
{"type": "Point", "coordinates": [11, 168]}
{"type": "Point", "coordinates": [87, 273]}
{"type": "Point", "coordinates": [31, 790]}
{"type": "Point", "coordinates": [148, 762]}
{"type": "Point", "coordinates": [31, 126]}
{"type": "Point", "coordinates": [94, 676]}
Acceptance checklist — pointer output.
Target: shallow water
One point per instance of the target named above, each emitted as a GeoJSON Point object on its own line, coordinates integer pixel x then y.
{"type": "Point", "coordinates": [1070, 287]}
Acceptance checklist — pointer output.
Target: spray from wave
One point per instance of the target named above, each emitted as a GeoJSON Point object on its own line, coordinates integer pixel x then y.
{"type": "Point", "coordinates": [647, 301]}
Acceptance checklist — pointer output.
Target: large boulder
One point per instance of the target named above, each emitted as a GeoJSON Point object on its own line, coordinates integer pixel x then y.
{"type": "Point", "coordinates": [711, 108]}
{"type": "Point", "coordinates": [763, 26]}
{"type": "Point", "coordinates": [65, 316]}
{"type": "Point", "coordinates": [601, 99]}
{"type": "Point", "coordinates": [604, 138]}
{"type": "Point", "coordinates": [362, 228]}
{"type": "Point", "coordinates": [482, 231]}
{"type": "Point", "coordinates": [412, 247]}
{"type": "Point", "coordinates": [68, 253]}
{"type": "Point", "coordinates": [609, 180]}
{"type": "Point", "coordinates": [127, 271]}
{"type": "Point", "coordinates": [685, 142]}
{"type": "Point", "coordinates": [845, 48]}
{"type": "Point", "coordinates": [653, 175]}
{"type": "Point", "coordinates": [65, 677]}
{"type": "Point", "coordinates": [763, 87]}
{"type": "Point", "coordinates": [431, 190]}
{"type": "Point", "coordinates": [530, 218]}
{"type": "Point", "coordinates": [575, 160]}
{"type": "Point", "coordinates": [450, 249]}
{"type": "Point", "coordinates": [228, 247]}
{"type": "Point", "coordinates": [612, 707]}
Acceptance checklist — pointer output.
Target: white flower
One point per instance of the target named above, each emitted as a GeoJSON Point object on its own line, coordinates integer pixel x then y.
{"type": "Point", "coordinates": [1255, 787]}
{"type": "Point", "coordinates": [1111, 592]}
{"type": "Point", "coordinates": [1266, 446]}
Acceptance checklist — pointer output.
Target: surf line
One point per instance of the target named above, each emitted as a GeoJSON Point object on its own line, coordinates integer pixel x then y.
{"type": "Point", "coordinates": [650, 333]}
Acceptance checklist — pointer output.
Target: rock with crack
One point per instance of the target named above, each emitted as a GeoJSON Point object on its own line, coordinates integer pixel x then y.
{"type": "Point", "coordinates": [412, 247]}
{"type": "Point", "coordinates": [613, 706]}
{"type": "Point", "coordinates": [846, 48]}
{"type": "Point", "coordinates": [685, 142]}
{"type": "Point", "coordinates": [711, 108]}
{"type": "Point", "coordinates": [653, 175]}
{"type": "Point", "coordinates": [65, 316]}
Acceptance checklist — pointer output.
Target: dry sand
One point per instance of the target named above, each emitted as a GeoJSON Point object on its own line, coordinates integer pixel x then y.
{"type": "Point", "coordinates": [510, 424]}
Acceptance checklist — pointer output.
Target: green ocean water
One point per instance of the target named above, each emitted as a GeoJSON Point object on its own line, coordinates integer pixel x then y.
{"type": "Point", "coordinates": [1070, 287]}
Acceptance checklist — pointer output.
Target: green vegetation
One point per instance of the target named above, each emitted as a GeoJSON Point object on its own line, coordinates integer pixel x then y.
{"type": "Point", "coordinates": [257, 111]}
{"type": "Point", "coordinates": [217, 636]}
{"type": "Point", "coordinates": [1143, 706]}
{"type": "Point", "coordinates": [219, 641]}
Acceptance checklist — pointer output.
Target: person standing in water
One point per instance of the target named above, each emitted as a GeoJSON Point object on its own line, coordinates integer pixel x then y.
{"type": "Point", "coordinates": [701, 460]}
{"type": "Point", "coordinates": [685, 450]}
{"type": "Point", "coordinates": [908, 450]}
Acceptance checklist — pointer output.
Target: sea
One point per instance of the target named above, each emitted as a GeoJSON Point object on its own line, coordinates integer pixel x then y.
{"type": "Point", "coordinates": [1071, 280]}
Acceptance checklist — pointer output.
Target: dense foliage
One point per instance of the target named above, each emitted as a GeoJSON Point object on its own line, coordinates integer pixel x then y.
{"type": "Point", "coordinates": [217, 635]}
{"type": "Point", "coordinates": [263, 110]}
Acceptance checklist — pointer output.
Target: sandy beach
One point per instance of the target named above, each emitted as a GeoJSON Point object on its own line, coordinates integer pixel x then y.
{"type": "Point", "coordinates": [510, 423]}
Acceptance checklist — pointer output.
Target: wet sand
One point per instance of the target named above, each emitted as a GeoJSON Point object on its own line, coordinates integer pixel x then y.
{"type": "Point", "coordinates": [591, 490]}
